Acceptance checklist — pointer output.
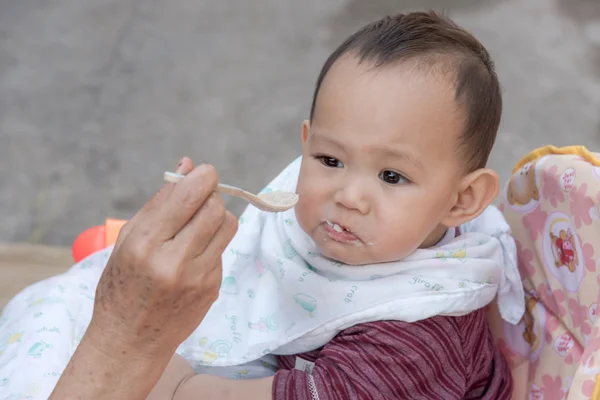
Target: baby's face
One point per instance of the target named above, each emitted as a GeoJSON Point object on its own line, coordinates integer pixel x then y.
{"type": "Point", "coordinates": [380, 169]}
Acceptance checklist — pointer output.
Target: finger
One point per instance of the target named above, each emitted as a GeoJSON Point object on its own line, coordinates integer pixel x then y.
{"type": "Point", "coordinates": [184, 166]}
{"type": "Point", "coordinates": [207, 286]}
{"type": "Point", "coordinates": [220, 241]}
{"type": "Point", "coordinates": [195, 236]}
{"type": "Point", "coordinates": [168, 212]}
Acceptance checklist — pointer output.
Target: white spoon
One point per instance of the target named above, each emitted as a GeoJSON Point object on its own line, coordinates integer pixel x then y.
{"type": "Point", "coordinates": [277, 201]}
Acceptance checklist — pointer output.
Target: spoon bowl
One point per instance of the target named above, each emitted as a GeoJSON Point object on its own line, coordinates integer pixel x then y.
{"type": "Point", "coordinates": [276, 201]}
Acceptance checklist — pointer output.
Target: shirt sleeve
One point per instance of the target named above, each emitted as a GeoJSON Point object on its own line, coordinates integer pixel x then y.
{"type": "Point", "coordinates": [384, 360]}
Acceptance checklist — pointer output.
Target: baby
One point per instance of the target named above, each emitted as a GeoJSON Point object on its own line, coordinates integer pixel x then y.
{"type": "Point", "coordinates": [375, 285]}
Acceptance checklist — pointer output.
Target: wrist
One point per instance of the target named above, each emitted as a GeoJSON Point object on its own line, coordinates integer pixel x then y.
{"type": "Point", "coordinates": [118, 345]}
{"type": "Point", "coordinates": [101, 374]}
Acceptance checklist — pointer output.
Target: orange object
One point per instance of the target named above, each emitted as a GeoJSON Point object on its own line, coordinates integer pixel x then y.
{"type": "Point", "coordinates": [112, 229]}
{"type": "Point", "coordinates": [96, 238]}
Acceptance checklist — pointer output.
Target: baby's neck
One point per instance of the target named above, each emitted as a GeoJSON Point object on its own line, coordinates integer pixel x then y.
{"type": "Point", "coordinates": [435, 237]}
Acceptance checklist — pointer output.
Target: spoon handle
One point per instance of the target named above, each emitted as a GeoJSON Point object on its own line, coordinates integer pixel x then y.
{"type": "Point", "coordinates": [221, 187]}
{"type": "Point", "coordinates": [234, 191]}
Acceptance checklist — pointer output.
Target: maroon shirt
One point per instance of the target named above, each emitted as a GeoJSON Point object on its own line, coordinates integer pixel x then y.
{"type": "Point", "coordinates": [438, 358]}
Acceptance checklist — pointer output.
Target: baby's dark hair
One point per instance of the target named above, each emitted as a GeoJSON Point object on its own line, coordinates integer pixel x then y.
{"type": "Point", "coordinates": [435, 41]}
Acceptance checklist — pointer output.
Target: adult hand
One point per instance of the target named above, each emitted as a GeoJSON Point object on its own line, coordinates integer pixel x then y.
{"type": "Point", "coordinates": [165, 270]}
{"type": "Point", "coordinates": [160, 281]}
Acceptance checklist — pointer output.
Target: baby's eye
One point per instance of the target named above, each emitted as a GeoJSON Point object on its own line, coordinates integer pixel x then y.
{"type": "Point", "coordinates": [330, 162]}
{"type": "Point", "coordinates": [391, 177]}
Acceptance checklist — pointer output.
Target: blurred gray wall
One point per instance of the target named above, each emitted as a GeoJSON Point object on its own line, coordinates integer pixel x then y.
{"type": "Point", "coordinates": [99, 97]}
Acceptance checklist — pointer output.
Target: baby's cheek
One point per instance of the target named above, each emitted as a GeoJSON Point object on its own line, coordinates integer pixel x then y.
{"type": "Point", "coordinates": [305, 215]}
{"type": "Point", "coordinates": [393, 242]}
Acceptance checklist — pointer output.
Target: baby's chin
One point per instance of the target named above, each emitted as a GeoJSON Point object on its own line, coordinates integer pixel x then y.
{"type": "Point", "coordinates": [344, 260]}
{"type": "Point", "coordinates": [353, 257]}
{"type": "Point", "coordinates": [357, 256]}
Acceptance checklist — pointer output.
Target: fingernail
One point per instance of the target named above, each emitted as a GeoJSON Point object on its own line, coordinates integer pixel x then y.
{"type": "Point", "coordinates": [179, 164]}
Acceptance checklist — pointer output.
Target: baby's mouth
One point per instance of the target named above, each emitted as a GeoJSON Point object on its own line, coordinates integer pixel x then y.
{"type": "Point", "coordinates": [340, 233]}
{"type": "Point", "coordinates": [336, 227]}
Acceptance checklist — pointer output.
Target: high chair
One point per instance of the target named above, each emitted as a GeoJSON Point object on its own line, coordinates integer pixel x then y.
{"type": "Point", "coordinates": [551, 203]}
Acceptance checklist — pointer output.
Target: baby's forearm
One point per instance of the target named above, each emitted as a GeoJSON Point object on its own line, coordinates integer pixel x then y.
{"type": "Point", "coordinates": [207, 387]}
{"type": "Point", "coordinates": [177, 373]}
{"type": "Point", "coordinates": [180, 382]}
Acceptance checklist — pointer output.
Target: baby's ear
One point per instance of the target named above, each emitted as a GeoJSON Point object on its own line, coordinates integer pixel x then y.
{"type": "Point", "coordinates": [477, 190]}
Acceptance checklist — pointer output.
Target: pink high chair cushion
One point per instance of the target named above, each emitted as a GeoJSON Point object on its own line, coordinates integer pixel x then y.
{"type": "Point", "coordinates": [552, 205]}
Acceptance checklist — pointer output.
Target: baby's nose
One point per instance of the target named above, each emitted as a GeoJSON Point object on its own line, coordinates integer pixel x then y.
{"type": "Point", "coordinates": [354, 196]}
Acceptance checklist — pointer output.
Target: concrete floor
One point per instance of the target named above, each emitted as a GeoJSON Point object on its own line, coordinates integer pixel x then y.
{"type": "Point", "coordinates": [99, 97]}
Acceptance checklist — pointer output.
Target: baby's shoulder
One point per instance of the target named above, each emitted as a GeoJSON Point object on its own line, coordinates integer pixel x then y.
{"type": "Point", "coordinates": [444, 330]}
